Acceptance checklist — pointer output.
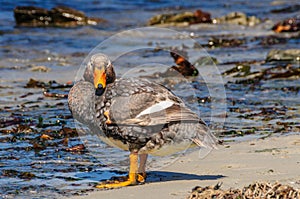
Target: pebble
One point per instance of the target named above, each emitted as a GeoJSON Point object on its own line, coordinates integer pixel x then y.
{"type": "Point", "coordinates": [283, 55]}
{"type": "Point", "coordinates": [43, 69]}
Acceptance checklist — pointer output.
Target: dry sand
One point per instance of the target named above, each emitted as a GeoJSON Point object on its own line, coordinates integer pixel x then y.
{"type": "Point", "coordinates": [234, 164]}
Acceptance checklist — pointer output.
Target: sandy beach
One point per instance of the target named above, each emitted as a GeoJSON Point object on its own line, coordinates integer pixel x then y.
{"type": "Point", "coordinates": [234, 164]}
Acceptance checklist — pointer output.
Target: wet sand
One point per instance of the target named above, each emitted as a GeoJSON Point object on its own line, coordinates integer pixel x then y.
{"type": "Point", "coordinates": [235, 165]}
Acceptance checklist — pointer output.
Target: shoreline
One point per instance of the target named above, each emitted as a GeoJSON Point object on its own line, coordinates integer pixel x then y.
{"type": "Point", "coordinates": [235, 165]}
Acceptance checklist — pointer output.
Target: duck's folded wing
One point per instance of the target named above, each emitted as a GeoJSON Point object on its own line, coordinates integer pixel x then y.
{"type": "Point", "coordinates": [171, 114]}
{"type": "Point", "coordinates": [146, 109]}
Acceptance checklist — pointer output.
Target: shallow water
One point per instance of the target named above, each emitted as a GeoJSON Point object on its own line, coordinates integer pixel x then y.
{"type": "Point", "coordinates": [252, 110]}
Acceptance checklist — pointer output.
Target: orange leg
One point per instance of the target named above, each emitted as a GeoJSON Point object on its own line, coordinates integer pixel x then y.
{"type": "Point", "coordinates": [106, 114]}
{"type": "Point", "coordinates": [142, 168]}
{"type": "Point", "coordinates": [132, 178]}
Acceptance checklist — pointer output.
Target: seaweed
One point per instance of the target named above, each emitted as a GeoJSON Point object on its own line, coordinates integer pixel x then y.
{"type": "Point", "coordinates": [254, 190]}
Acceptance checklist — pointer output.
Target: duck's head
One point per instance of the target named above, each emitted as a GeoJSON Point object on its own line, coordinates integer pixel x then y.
{"type": "Point", "coordinates": [100, 72]}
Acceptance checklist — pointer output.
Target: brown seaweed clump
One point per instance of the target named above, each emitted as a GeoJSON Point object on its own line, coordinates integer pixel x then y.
{"type": "Point", "coordinates": [183, 66]}
{"type": "Point", "coordinates": [255, 190]}
{"type": "Point", "coordinates": [288, 25]}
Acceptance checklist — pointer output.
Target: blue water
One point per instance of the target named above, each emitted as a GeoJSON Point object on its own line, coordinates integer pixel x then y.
{"type": "Point", "coordinates": [62, 50]}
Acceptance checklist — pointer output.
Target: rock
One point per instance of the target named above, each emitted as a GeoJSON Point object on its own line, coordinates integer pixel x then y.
{"type": "Point", "coordinates": [55, 95]}
{"type": "Point", "coordinates": [160, 19]}
{"type": "Point", "coordinates": [288, 9]}
{"type": "Point", "coordinates": [205, 61]}
{"type": "Point", "coordinates": [272, 40]}
{"type": "Point", "coordinates": [286, 71]}
{"type": "Point", "coordinates": [181, 18]}
{"type": "Point", "coordinates": [288, 25]}
{"type": "Point", "coordinates": [238, 18]}
{"type": "Point", "coordinates": [247, 77]}
{"type": "Point", "coordinates": [202, 17]}
{"type": "Point", "coordinates": [32, 83]}
{"type": "Point", "coordinates": [40, 69]}
{"type": "Point", "coordinates": [215, 42]}
{"type": "Point", "coordinates": [20, 174]}
{"type": "Point", "coordinates": [241, 70]}
{"type": "Point", "coordinates": [76, 148]}
{"type": "Point", "coordinates": [289, 55]}
{"type": "Point", "coordinates": [60, 16]}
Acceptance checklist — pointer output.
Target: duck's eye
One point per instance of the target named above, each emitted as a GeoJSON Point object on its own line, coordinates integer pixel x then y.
{"type": "Point", "coordinates": [99, 90]}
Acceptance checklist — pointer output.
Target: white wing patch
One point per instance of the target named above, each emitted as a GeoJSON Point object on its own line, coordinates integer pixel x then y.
{"type": "Point", "coordinates": [156, 108]}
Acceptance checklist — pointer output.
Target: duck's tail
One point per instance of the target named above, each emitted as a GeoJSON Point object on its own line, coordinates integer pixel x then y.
{"type": "Point", "coordinates": [206, 140]}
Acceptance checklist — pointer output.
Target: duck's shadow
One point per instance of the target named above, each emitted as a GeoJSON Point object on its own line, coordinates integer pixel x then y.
{"type": "Point", "coordinates": [164, 176]}
{"type": "Point", "coordinates": [152, 176]}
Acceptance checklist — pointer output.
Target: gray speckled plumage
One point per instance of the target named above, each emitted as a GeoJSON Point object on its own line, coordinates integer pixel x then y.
{"type": "Point", "coordinates": [134, 125]}
{"type": "Point", "coordinates": [81, 100]}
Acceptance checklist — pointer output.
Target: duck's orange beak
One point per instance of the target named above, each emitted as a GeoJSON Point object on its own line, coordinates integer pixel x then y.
{"type": "Point", "coordinates": [99, 77]}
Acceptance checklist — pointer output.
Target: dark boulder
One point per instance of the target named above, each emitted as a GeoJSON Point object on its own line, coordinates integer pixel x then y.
{"type": "Point", "coordinates": [182, 18]}
{"type": "Point", "coordinates": [60, 16]}
{"type": "Point", "coordinates": [288, 9]}
{"type": "Point", "coordinates": [237, 18]}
